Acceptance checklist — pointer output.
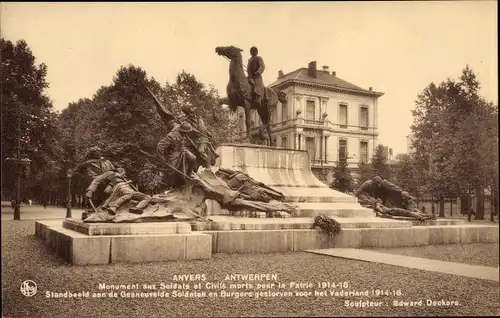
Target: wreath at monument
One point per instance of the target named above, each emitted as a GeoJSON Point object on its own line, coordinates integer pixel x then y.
{"type": "Point", "coordinates": [327, 224]}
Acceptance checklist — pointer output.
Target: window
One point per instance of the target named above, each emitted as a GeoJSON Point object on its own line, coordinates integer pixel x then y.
{"type": "Point", "coordinates": [284, 142]}
{"type": "Point", "coordinates": [343, 116]}
{"type": "Point", "coordinates": [363, 118]}
{"type": "Point", "coordinates": [363, 151]}
{"type": "Point", "coordinates": [284, 112]}
{"type": "Point", "coordinates": [274, 117]}
{"type": "Point", "coordinates": [274, 141]}
{"type": "Point", "coordinates": [342, 149]}
{"type": "Point", "coordinates": [311, 147]}
{"type": "Point", "coordinates": [310, 110]}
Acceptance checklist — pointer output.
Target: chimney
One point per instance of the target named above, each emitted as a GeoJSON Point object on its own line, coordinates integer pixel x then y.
{"type": "Point", "coordinates": [370, 88]}
{"type": "Point", "coordinates": [280, 73]}
{"type": "Point", "coordinates": [334, 73]}
{"type": "Point", "coordinates": [326, 68]}
{"type": "Point", "coordinates": [312, 71]}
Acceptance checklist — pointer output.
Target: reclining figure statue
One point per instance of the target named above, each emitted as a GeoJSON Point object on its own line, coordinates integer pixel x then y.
{"type": "Point", "coordinates": [123, 203]}
{"type": "Point", "coordinates": [389, 200]}
{"type": "Point", "coordinates": [236, 191]}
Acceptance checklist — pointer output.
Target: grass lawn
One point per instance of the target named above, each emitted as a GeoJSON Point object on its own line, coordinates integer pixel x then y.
{"type": "Point", "coordinates": [25, 257]}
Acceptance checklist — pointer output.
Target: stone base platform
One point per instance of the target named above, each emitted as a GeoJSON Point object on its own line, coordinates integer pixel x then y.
{"type": "Point", "coordinates": [279, 235]}
{"type": "Point", "coordinates": [293, 240]}
{"type": "Point", "coordinates": [85, 244]}
{"type": "Point", "coordinates": [231, 223]}
{"type": "Point", "coordinates": [91, 244]}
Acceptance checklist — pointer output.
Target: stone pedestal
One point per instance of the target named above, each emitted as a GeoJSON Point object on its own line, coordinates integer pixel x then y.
{"type": "Point", "coordinates": [289, 172]}
{"type": "Point", "coordinates": [102, 243]}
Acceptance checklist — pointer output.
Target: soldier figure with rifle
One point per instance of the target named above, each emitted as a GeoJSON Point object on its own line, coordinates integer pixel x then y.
{"type": "Point", "coordinates": [198, 139]}
{"type": "Point", "coordinates": [119, 191]}
{"type": "Point", "coordinates": [201, 137]}
{"type": "Point", "coordinates": [173, 150]}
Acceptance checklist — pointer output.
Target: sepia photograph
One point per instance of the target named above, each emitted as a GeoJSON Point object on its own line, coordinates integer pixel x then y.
{"type": "Point", "coordinates": [249, 159]}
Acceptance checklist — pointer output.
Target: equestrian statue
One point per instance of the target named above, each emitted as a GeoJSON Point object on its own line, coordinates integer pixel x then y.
{"type": "Point", "coordinates": [249, 91]}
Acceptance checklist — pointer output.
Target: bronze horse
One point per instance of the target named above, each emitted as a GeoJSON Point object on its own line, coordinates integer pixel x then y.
{"type": "Point", "coordinates": [238, 92]}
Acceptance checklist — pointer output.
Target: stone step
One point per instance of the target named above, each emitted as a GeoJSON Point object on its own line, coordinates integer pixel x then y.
{"type": "Point", "coordinates": [333, 209]}
{"type": "Point", "coordinates": [228, 223]}
{"type": "Point", "coordinates": [314, 195]}
{"type": "Point", "coordinates": [310, 209]}
{"type": "Point", "coordinates": [126, 228]}
{"type": "Point", "coordinates": [438, 222]}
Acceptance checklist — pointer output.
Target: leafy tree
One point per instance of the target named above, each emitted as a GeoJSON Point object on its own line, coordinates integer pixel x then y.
{"type": "Point", "coordinates": [380, 164]}
{"type": "Point", "coordinates": [24, 102]}
{"type": "Point", "coordinates": [365, 173]}
{"type": "Point", "coordinates": [122, 121]}
{"type": "Point", "coordinates": [187, 89]}
{"type": "Point", "coordinates": [407, 175]}
{"type": "Point", "coordinates": [342, 179]}
{"type": "Point", "coordinates": [455, 137]}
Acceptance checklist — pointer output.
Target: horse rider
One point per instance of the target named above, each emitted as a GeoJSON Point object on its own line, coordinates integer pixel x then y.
{"type": "Point", "coordinates": [255, 68]}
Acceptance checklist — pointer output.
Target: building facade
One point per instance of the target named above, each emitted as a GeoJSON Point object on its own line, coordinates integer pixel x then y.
{"type": "Point", "coordinates": [324, 115]}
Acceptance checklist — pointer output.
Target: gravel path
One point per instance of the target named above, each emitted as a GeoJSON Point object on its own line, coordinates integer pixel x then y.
{"type": "Point", "coordinates": [25, 257]}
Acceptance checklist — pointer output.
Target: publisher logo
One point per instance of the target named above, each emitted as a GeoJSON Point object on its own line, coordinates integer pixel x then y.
{"type": "Point", "coordinates": [28, 288]}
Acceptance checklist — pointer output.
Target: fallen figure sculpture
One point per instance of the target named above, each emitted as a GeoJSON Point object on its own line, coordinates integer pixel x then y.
{"type": "Point", "coordinates": [233, 190]}
{"type": "Point", "coordinates": [389, 201]}
{"type": "Point", "coordinates": [236, 191]}
{"type": "Point", "coordinates": [399, 213]}
{"type": "Point", "coordinates": [125, 204]}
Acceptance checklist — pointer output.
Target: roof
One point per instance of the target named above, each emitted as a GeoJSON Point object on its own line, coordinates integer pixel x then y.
{"type": "Point", "coordinates": [324, 79]}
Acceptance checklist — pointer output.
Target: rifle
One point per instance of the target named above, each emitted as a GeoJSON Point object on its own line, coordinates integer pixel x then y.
{"type": "Point", "coordinates": [165, 163]}
{"type": "Point", "coordinates": [164, 113]}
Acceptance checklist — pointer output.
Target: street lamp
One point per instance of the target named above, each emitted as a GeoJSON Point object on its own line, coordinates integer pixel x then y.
{"type": "Point", "coordinates": [69, 174]}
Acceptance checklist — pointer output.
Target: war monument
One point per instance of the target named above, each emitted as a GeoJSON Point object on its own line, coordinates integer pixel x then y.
{"type": "Point", "coordinates": [235, 198]}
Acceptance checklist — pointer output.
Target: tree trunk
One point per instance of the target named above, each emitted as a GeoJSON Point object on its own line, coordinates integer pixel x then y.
{"type": "Point", "coordinates": [494, 204]}
{"type": "Point", "coordinates": [479, 204]}
{"type": "Point", "coordinates": [441, 206]}
{"type": "Point", "coordinates": [464, 204]}
{"type": "Point", "coordinates": [469, 207]}
{"type": "Point", "coordinates": [433, 208]}
{"type": "Point", "coordinates": [451, 207]}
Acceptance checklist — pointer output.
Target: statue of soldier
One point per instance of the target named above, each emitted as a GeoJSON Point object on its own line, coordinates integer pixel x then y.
{"type": "Point", "coordinates": [369, 191]}
{"type": "Point", "coordinates": [119, 190]}
{"type": "Point", "coordinates": [173, 150]}
{"type": "Point", "coordinates": [200, 136]}
{"type": "Point", "coordinates": [255, 68]}
{"type": "Point", "coordinates": [95, 164]}
{"type": "Point", "coordinates": [378, 188]}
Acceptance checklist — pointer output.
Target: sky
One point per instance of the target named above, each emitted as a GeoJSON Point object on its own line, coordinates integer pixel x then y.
{"type": "Point", "coordinates": [395, 47]}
